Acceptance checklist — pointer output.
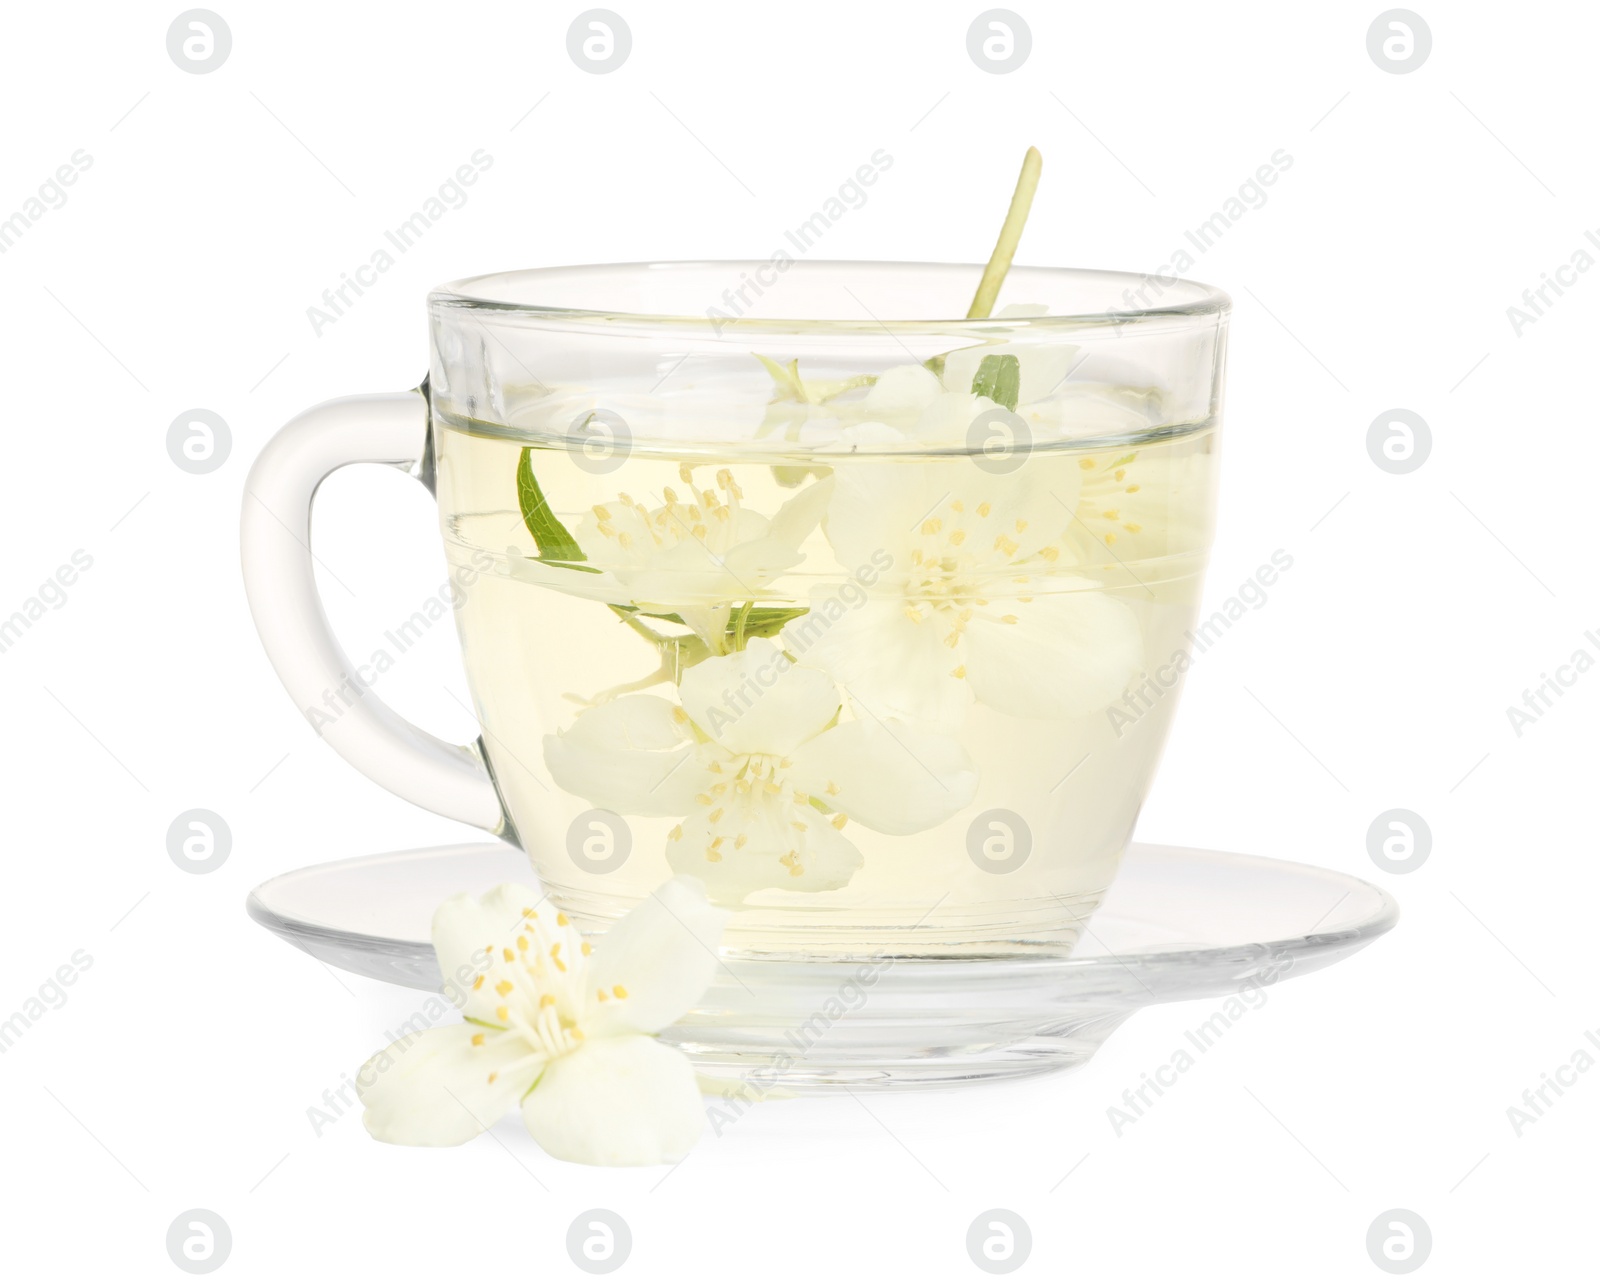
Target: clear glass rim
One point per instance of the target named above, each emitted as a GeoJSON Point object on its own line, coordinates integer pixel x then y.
{"type": "Point", "coordinates": [472, 294]}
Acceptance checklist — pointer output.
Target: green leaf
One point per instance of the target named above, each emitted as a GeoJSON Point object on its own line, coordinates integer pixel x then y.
{"type": "Point", "coordinates": [764, 622]}
{"type": "Point", "coordinates": [999, 378]}
{"type": "Point", "coordinates": [554, 542]}
{"type": "Point", "coordinates": [935, 364]}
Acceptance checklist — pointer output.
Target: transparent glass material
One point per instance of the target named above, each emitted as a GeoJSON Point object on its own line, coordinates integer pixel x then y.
{"type": "Point", "coordinates": [1180, 924]}
{"type": "Point", "coordinates": [873, 620]}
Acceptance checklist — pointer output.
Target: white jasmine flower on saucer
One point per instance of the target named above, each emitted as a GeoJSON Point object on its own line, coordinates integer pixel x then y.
{"type": "Point", "coordinates": [974, 602]}
{"type": "Point", "coordinates": [763, 774]}
{"type": "Point", "coordinates": [562, 1032]}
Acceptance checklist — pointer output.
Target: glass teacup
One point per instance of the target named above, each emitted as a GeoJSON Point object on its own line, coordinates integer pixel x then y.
{"type": "Point", "coordinates": [872, 620]}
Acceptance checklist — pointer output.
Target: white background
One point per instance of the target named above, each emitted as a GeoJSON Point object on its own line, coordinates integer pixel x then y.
{"type": "Point", "coordinates": [218, 208]}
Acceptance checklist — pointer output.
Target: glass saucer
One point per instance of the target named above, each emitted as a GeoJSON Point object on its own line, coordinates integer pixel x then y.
{"type": "Point", "coordinates": [1178, 923]}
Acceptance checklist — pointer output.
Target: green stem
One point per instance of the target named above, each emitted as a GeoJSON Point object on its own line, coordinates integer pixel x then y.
{"type": "Point", "coordinates": [994, 274]}
{"type": "Point", "coordinates": [639, 627]}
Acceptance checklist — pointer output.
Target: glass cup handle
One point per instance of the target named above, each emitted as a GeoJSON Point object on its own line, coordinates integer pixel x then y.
{"type": "Point", "coordinates": [275, 545]}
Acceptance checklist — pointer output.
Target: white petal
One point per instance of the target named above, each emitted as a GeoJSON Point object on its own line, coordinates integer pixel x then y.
{"type": "Point", "coordinates": [900, 395]}
{"type": "Point", "coordinates": [465, 929]}
{"type": "Point", "coordinates": [627, 755]}
{"type": "Point", "coordinates": [621, 1101]}
{"type": "Point", "coordinates": [661, 956]}
{"type": "Point", "coordinates": [1071, 651]}
{"type": "Point", "coordinates": [799, 517]}
{"type": "Point", "coordinates": [757, 701]}
{"type": "Point", "coordinates": [1003, 519]}
{"type": "Point", "coordinates": [891, 777]}
{"type": "Point", "coordinates": [433, 1089]}
{"type": "Point", "coordinates": [762, 840]}
{"type": "Point", "coordinates": [875, 511]}
{"type": "Point", "coordinates": [885, 661]}
{"type": "Point", "coordinates": [948, 419]}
